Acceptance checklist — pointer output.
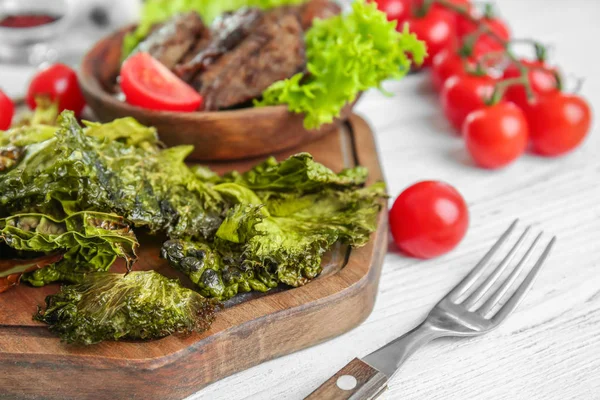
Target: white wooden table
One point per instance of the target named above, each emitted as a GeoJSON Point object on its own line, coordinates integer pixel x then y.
{"type": "Point", "coordinates": [550, 348]}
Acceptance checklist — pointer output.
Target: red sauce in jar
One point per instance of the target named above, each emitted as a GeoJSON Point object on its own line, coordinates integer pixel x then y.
{"type": "Point", "coordinates": [26, 20]}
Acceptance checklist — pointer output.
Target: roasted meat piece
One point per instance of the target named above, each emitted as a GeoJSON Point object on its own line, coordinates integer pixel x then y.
{"type": "Point", "coordinates": [227, 32]}
{"type": "Point", "coordinates": [174, 38]}
{"type": "Point", "coordinates": [273, 51]}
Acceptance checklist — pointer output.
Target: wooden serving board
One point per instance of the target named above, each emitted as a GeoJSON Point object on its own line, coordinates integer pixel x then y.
{"type": "Point", "coordinates": [251, 329]}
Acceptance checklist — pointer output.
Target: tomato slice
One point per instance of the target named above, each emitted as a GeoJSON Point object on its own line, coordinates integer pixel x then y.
{"type": "Point", "coordinates": [149, 84]}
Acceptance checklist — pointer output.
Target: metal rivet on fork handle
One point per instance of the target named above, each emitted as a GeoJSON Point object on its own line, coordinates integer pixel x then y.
{"type": "Point", "coordinates": [346, 382]}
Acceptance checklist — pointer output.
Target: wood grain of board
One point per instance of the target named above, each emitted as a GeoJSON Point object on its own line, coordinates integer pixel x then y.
{"type": "Point", "coordinates": [243, 335]}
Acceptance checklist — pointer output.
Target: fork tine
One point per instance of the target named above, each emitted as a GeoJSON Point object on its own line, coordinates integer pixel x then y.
{"type": "Point", "coordinates": [499, 294]}
{"type": "Point", "coordinates": [516, 298]}
{"type": "Point", "coordinates": [490, 280]}
{"type": "Point", "coordinates": [476, 272]}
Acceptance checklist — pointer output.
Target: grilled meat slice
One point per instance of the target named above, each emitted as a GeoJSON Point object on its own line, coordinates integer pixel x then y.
{"type": "Point", "coordinates": [273, 51]}
{"type": "Point", "coordinates": [174, 38]}
{"type": "Point", "coordinates": [227, 32]}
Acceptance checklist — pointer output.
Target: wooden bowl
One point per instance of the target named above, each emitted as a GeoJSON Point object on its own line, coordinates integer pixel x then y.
{"type": "Point", "coordinates": [218, 135]}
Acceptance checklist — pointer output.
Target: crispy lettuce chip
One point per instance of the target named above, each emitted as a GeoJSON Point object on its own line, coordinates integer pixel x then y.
{"type": "Point", "coordinates": [113, 168]}
{"type": "Point", "coordinates": [140, 305]}
{"type": "Point", "coordinates": [284, 217]}
{"type": "Point", "coordinates": [300, 172]}
{"type": "Point", "coordinates": [86, 241]}
{"type": "Point", "coordinates": [71, 198]}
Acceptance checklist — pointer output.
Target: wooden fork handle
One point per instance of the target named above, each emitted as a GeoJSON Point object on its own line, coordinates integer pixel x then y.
{"type": "Point", "coordinates": [356, 381]}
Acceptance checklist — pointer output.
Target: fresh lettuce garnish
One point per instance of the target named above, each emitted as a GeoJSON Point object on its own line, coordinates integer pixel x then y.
{"type": "Point", "coordinates": [346, 54]}
{"type": "Point", "coordinates": [155, 11]}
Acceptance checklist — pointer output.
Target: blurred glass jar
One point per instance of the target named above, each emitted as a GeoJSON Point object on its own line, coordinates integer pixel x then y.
{"type": "Point", "coordinates": [27, 28]}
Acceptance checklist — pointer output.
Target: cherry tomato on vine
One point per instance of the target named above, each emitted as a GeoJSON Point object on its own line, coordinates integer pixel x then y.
{"type": "Point", "coordinates": [485, 43]}
{"type": "Point", "coordinates": [462, 94]}
{"type": "Point", "coordinates": [447, 63]}
{"type": "Point", "coordinates": [59, 83]}
{"type": "Point", "coordinates": [429, 219]}
{"type": "Point", "coordinates": [496, 135]}
{"type": "Point", "coordinates": [438, 7]}
{"type": "Point", "coordinates": [558, 123]}
{"type": "Point", "coordinates": [436, 29]}
{"type": "Point", "coordinates": [396, 10]}
{"type": "Point", "coordinates": [466, 4]}
{"type": "Point", "coordinates": [7, 111]}
{"type": "Point", "coordinates": [541, 77]}
{"type": "Point", "coordinates": [149, 84]}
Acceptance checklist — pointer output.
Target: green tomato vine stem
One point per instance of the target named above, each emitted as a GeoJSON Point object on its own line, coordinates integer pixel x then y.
{"type": "Point", "coordinates": [483, 29]}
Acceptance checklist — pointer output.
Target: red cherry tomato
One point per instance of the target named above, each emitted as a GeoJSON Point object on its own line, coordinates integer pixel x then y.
{"type": "Point", "coordinates": [7, 111]}
{"type": "Point", "coordinates": [485, 43]}
{"type": "Point", "coordinates": [429, 219]}
{"type": "Point", "coordinates": [462, 94]}
{"type": "Point", "coordinates": [496, 135]}
{"type": "Point", "coordinates": [149, 84]}
{"type": "Point", "coordinates": [445, 64]}
{"type": "Point", "coordinates": [466, 4]}
{"type": "Point", "coordinates": [59, 83]}
{"type": "Point", "coordinates": [558, 123]}
{"type": "Point", "coordinates": [436, 28]}
{"type": "Point", "coordinates": [542, 79]}
{"type": "Point", "coordinates": [396, 10]}
{"type": "Point", "coordinates": [463, 3]}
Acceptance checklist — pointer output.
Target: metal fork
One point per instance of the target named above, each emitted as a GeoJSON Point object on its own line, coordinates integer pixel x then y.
{"type": "Point", "coordinates": [463, 312]}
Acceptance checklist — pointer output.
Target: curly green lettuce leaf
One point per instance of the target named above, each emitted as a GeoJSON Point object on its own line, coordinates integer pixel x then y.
{"type": "Point", "coordinates": [346, 54]}
{"type": "Point", "coordinates": [299, 172]}
{"type": "Point", "coordinates": [117, 167]}
{"type": "Point", "coordinates": [139, 305]}
{"type": "Point", "coordinates": [155, 11]}
{"type": "Point", "coordinates": [87, 241]}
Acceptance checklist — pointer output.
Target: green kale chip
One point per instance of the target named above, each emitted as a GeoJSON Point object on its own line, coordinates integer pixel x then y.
{"type": "Point", "coordinates": [139, 305]}
{"type": "Point", "coordinates": [287, 236]}
{"type": "Point", "coordinates": [114, 168]}
{"type": "Point", "coordinates": [299, 172]}
{"type": "Point", "coordinates": [218, 275]}
{"type": "Point", "coordinates": [71, 196]}
{"type": "Point", "coordinates": [87, 241]}
{"type": "Point", "coordinates": [282, 218]}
